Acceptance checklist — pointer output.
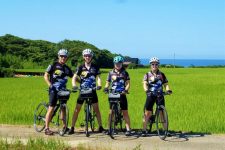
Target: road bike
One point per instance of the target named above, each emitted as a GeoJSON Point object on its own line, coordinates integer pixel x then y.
{"type": "Point", "coordinates": [90, 115]}
{"type": "Point", "coordinates": [116, 121]}
{"type": "Point", "coordinates": [60, 116]}
{"type": "Point", "coordinates": [159, 117]}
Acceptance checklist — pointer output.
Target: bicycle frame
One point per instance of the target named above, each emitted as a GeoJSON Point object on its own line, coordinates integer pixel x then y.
{"type": "Point", "coordinates": [159, 117]}
{"type": "Point", "coordinates": [116, 114]}
{"type": "Point", "coordinates": [86, 94]}
{"type": "Point", "coordinates": [42, 108]}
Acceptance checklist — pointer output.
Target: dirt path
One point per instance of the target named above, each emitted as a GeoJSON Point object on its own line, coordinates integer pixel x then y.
{"type": "Point", "coordinates": [177, 141]}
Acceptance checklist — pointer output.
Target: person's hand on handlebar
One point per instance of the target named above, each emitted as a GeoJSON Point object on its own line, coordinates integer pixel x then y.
{"type": "Point", "coordinates": [125, 92]}
{"type": "Point", "coordinates": [169, 92]}
{"type": "Point", "coordinates": [106, 90]}
{"type": "Point", "coordinates": [98, 87]}
{"type": "Point", "coordinates": [74, 89]}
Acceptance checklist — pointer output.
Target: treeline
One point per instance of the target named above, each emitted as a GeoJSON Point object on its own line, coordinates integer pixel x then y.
{"type": "Point", "coordinates": [19, 53]}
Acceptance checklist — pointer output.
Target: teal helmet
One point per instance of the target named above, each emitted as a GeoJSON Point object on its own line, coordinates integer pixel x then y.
{"type": "Point", "coordinates": [118, 59]}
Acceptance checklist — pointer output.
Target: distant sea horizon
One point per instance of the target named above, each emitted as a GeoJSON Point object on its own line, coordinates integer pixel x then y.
{"type": "Point", "coordinates": [187, 62]}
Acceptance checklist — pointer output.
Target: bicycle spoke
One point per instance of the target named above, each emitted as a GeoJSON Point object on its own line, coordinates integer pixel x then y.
{"type": "Point", "coordinates": [39, 117]}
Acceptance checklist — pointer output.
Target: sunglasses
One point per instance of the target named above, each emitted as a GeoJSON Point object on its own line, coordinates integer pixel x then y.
{"type": "Point", "coordinates": [87, 56]}
{"type": "Point", "coordinates": [63, 56]}
{"type": "Point", "coordinates": [154, 64]}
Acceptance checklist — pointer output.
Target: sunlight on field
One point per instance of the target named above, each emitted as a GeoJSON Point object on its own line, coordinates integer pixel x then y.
{"type": "Point", "coordinates": [196, 105]}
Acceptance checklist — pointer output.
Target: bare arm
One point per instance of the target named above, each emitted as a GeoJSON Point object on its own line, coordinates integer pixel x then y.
{"type": "Point", "coordinates": [127, 84]}
{"type": "Point", "coordinates": [145, 86]}
{"type": "Point", "coordinates": [166, 86]}
{"type": "Point", "coordinates": [74, 79]}
{"type": "Point", "coordinates": [46, 77]}
{"type": "Point", "coordinates": [99, 81]}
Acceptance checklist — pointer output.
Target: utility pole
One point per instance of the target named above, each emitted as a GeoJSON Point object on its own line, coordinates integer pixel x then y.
{"type": "Point", "coordinates": [174, 60]}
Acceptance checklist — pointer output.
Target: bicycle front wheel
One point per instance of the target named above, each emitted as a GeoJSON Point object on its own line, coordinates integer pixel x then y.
{"type": "Point", "coordinates": [62, 119]}
{"type": "Point", "coordinates": [39, 116]}
{"type": "Point", "coordinates": [162, 122]}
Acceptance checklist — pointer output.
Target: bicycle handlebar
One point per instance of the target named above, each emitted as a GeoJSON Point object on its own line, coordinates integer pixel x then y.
{"type": "Point", "coordinates": [169, 92]}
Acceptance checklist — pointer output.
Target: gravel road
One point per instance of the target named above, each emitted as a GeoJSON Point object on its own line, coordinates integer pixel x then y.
{"type": "Point", "coordinates": [177, 140]}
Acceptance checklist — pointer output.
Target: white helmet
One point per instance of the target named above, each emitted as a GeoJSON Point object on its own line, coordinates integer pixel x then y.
{"type": "Point", "coordinates": [154, 59]}
{"type": "Point", "coordinates": [63, 52]}
{"type": "Point", "coordinates": [87, 52]}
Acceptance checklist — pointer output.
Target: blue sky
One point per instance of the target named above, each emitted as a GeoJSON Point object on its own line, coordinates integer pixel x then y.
{"type": "Point", "coordinates": [137, 28]}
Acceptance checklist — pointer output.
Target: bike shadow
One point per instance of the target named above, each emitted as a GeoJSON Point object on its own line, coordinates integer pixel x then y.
{"type": "Point", "coordinates": [180, 136]}
{"type": "Point", "coordinates": [175, 136]}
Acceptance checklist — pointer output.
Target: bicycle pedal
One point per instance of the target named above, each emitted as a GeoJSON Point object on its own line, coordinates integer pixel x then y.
{"type": "Point", "coordinates": [81, 125]}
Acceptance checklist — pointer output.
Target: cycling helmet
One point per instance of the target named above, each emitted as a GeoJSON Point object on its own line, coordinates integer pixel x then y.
{"type": "Point", "coordinates": [87, 52]}
{"type": "Point", "coordinates": [118, 59]}
{"type": "Point", "coordinates": [63, 52]}
{"type": "Point", "coordinates": [154, 59]}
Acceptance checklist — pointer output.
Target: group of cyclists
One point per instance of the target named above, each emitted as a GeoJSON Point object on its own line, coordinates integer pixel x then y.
{"type": "Point", "coordinates": [88, 75]}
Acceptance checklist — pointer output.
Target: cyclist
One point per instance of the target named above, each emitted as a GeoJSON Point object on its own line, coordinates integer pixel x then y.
{"type": "Point", "coordinates": [119, 81]}
{"type": "Point", "coordinates": [56, 78]}
{"type": "Point", "coordinates": [153, 81]}
{"type": "Point", "coordinates": [88, 73]}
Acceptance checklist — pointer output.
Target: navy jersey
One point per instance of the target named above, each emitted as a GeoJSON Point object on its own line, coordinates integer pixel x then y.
{"type": "Point", "coordinates": [59, 74]}
{"type": "Point", "coordinates": [157, 83]}
{"type": "Point", "coordinates": [118, 79]}
{"type": "Point", "coordinates": [88, 76]}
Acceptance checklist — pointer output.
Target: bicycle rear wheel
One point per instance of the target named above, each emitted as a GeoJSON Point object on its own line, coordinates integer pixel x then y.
{"type": "Point", "coordinates": [122, 122]}
{"type": "Point", "coordinates": [162, 122]}
{"type": "Point", "coordinates": [62, 119]}
{"type": "Point", "coordinates": [92, 119]}
{"type": "Point", "coordinates": [39, 116]}
{"type": "Point", "coordinates": [112, 125]}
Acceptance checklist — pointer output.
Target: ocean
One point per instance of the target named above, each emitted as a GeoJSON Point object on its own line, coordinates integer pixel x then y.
{"type": "Point", "coordinates": [188, 62]}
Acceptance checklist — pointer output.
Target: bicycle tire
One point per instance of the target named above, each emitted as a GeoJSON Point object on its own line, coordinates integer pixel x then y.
{"type": "Point", "coordinates": [60, 121]}
{"type": "Point", "coordinates": [122, 122]}
{"type": "Point", "coordinates": [93, 119]}
{"type": "Point", "coordinates": [39, 116]}
{"type": "Point", "coordinates": [162, 122]}
{"type": "Point", "coordinates": [87, 111]}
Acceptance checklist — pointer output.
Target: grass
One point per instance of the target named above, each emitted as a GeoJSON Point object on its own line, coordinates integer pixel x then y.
{"type": "Point", "coordinates": [196, 105]}
{"type": "Point", "coordinates": [33, 144]}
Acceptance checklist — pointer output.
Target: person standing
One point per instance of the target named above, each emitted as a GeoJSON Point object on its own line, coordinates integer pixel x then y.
{"type": "Point", "coordinates": [153, 82]}
{"type": "Point", "coordinates": [56, 76]}
{"type": "Point", "coordinates": [88, 73]}
{"type": "Point", "coordinates": [119, 80]}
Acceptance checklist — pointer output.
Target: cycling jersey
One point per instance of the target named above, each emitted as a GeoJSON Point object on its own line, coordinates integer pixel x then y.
{"type": "Point", "coordinates": [118, 79]}
{"type": "Point", "coordinates": [88, 76]}
{"type": "Point", "coordinates": [59, 75]}
{"type": "Point", "coordinates": [157, 83]}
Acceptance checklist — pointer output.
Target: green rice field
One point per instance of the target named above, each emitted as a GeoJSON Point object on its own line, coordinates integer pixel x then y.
{"type": "Point", "coordinates": [196, 105]}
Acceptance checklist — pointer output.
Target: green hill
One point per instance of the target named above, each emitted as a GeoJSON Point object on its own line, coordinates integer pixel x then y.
{"type": "Point", "coordinates": [19, 53]}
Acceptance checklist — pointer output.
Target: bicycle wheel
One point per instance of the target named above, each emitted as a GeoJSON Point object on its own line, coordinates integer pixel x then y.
{"type": "Point", "coordinates": [87, 113]}
{"type": "Point", "coordinates": [39, 116]}
{"type": "Point", "coordinates": [162, 122]}
{"type": "Point", "coordinates": [121, 122]}
{"type": "Point", "coordinates": [62, 119]}
{"type": "Point", "coordinates": [112, 125]}
{"type": "Point", "coordinates": [92, 119]}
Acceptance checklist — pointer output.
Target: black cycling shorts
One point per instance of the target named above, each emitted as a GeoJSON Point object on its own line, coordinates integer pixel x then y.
{"type": "Point", "coordinates": [94, 99]}
{"type": "Point", "coordinates": [123, 103]}
{"type": "Point", "coordinates": [150, 101]}
{"type": "Point", "coordinates": [53, 97]}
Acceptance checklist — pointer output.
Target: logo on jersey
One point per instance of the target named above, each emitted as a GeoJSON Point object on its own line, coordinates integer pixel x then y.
{"type": "Point", "coordinates": [84, 74]}
{"type": "Point", "coordinates": [58, 72]}
{"type": "Point", "coordinates": [114, 77]}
